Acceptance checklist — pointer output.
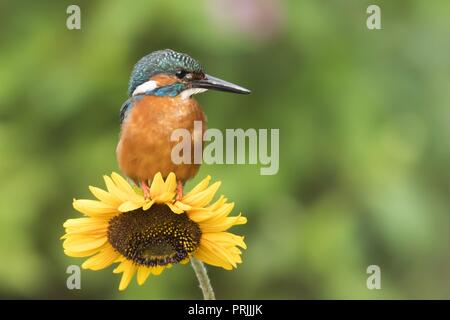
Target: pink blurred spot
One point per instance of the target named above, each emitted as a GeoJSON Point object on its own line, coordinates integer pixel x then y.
{"type": "Point", "coordinates": [257, 18]}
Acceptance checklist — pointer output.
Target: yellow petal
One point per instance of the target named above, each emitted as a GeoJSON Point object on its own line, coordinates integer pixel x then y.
{"type": "Point", "coordinates": [182, 206]}
{"type": "Point", "coordinates": [83, 244]}
{"type": "Point", "coordinates": [209, 216]}
{"type": "Point", "coordinates": [80, 254]}
{"type": "Point", "coordinates": [157, 187]}
{"type": "Point", "coordinates": [94, 232]}
{"type": "Point", "coordinates": [157, 270]}
{"type": "Point", "coordinates": [219, 251]}
{"type": "Point", "coordinates": [83, 222]}
{"type": "Point", "coordinates": [220, 202]}
{"type": "Point", "coordinates": [202, 185]}
{"type": "Point", "coordinates": [88, 226]}
{"type": "Point", "coordinates": [164, 197]}
{"type": "Point", "coordinates": [235, 254]}
{"type": "Point", "coordinates": [171, 183]}
{"type": "Point", "coordinates": [94, 208]}
{"type": "Point", "coordinates": [129, 206]}
{"type": "Point", "coordinates": [209, 257]}
{"type": "Point", "coordinates": [142, 274]}
{"type": "Point", "coordinates": [174, 208]}
{"type": "Point", "coordinates": [105, 196]}
{"type": "Point", "coordinates": [199, 215]}
{"type": "Point", "coordinates": [114, 190]}
{"type": "Point", "coordinates": [101, 260]}
{"type": "Point", "coordinates": [147, 205]}
{"type": "Point", "coordinates": [222, 225]}
{"type": "Point", "coordinates": [201, 199]}
{"type": "Point", "coordinates": [122, 184]}
{"type": "Point", "coordinates": [121, 266]}
{"type": "Point", "coordinates": [225, 238]}
{"type": "Point", "coordinates": [223, 211]}
{"type": "Point", "coordinates": [240, 220]}
{"type": "Point", "coordinates": [128, 273]}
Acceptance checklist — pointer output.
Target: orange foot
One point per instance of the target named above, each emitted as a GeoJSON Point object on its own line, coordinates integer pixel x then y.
{"type": "Point", "coordinates": [179, 190]}
{"type": "Point", "coordinates": [145, 188]}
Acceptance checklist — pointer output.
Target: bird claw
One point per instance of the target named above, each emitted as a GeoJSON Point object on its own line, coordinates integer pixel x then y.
{"type": "Point", "coordinates": [179, 191]}
{"type": "Point", "coordinates": [145, 189]}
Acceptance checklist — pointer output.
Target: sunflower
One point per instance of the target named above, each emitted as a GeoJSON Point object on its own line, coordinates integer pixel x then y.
{"type": "Point", "coordinates": [145, 236]}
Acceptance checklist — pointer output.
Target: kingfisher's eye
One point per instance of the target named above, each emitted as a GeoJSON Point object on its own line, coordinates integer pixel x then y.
{"type": "Point", "coordinates": [181, 74]}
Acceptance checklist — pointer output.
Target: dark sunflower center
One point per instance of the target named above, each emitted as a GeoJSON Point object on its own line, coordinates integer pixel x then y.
{"type": "Point", "coordinates": [154, 237]}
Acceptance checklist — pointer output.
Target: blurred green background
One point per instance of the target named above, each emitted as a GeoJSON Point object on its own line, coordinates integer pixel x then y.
{"type": "Point", "coordinates": [364, 140]}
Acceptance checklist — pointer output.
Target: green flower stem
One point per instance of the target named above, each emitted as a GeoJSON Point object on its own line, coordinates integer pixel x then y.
{"type": "Point", "coordinates": [203, 279]}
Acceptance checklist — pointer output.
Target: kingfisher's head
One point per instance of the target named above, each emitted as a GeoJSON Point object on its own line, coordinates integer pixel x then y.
{"type": "Point", "coordinates": [170, 73]}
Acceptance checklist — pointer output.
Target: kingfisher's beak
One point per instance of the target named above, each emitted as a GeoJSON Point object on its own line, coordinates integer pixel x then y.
{"type": "Point", "coordinates": [210, 82]}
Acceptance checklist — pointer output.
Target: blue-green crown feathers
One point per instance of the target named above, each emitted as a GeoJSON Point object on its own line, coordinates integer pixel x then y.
{"type": "Point", "coordinates": [163, 61]}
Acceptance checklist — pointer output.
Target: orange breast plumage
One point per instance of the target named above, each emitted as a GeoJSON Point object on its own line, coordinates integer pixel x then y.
{"type": "Point", "coordinates": [145, 145]}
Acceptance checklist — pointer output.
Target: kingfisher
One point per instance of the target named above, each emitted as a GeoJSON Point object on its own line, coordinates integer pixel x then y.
{"type": "Point", "coordinates": [160, 101]}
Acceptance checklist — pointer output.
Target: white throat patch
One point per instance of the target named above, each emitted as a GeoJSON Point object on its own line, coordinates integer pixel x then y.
{"type": "Point", "coordinates": [186, 94]}
{"type": "Point", "coordinates": [146, 86]}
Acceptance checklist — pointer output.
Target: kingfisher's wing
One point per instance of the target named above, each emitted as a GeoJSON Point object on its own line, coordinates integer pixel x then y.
{"type": "Point", "coordinates": [125, 109]}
